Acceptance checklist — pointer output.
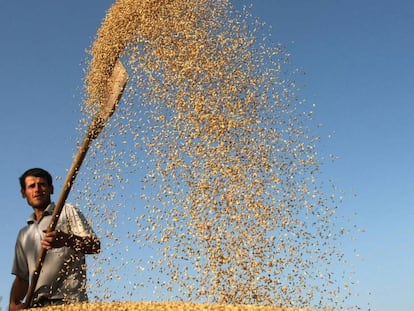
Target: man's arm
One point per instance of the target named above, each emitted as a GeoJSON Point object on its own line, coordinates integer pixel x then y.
{"type": "Point", "coordinates": [17, 293]}
{"type": "Point", "coordinates": [57, 239]}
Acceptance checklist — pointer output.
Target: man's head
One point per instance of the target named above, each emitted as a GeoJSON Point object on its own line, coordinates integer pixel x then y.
{"type": "Point", "coordinates": [36, 186]}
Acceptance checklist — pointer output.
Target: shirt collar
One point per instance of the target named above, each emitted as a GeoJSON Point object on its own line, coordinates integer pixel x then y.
{"type": "Point", "coordinates": [48, 211]}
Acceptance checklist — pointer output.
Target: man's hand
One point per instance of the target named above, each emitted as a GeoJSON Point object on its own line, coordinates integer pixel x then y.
{"type": "Point", "coordinates": [55, 239]}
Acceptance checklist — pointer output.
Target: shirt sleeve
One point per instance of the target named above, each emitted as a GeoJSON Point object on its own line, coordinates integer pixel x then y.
{"type": "Point", "coordinates": [20, 266]}
{"type": "Point", "coordinates": [76, 222]}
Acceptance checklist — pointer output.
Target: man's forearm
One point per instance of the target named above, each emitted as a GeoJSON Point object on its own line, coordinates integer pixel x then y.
{"type": "Point", "coordinates": [18, 292]}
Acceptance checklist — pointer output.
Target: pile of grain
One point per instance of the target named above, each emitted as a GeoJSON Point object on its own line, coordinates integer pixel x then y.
{"type": "Point", "coordinates": [233, 204]}
{"type": "Point", "coordinates": [164, 306]}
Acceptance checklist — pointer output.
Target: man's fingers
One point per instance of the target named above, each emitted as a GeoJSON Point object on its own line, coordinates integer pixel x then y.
{"type": "Point", "coordinates": [54, 239]}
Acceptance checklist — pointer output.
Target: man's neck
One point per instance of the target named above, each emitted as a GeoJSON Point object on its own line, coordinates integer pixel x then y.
{"type": "Point", "coordinates": [38, 212]}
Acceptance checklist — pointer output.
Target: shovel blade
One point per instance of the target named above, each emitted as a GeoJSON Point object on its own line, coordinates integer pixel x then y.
{"type": "Point", "coordinates": [115, 87]}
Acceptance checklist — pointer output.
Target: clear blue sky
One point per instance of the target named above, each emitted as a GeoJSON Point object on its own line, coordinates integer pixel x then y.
{"type": "Point", "coordinates": [357, 56]}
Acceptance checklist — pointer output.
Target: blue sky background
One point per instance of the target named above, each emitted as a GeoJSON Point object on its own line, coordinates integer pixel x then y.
{"type": "Point", "coordinates": [357, 56]}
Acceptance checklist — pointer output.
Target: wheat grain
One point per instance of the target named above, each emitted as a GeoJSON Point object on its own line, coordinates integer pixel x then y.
{"type": "Point", "coordinates": [164, 306]}
{"type": "Point", "coordinates": [234, 207]}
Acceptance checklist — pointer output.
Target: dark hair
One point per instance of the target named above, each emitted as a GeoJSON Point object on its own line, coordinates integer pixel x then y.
{"type": "Point", "coordinates": [36, 172]}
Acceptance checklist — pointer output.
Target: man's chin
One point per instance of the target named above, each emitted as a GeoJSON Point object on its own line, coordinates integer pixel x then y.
{"type": "Point", "coordinates": [40, 205]}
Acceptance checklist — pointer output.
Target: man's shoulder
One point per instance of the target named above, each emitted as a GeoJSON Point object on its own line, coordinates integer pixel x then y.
{"type": "Point", "coordinates": [72, 211]}
{"type": "Point", "coordinates": [69, 207]}
{"type": "Point", "coordinates": [24, 231]}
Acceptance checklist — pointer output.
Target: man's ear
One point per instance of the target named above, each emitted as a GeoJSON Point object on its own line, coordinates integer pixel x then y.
{"type": "Point", "coordinates": [23, 194]}
{"type": "Point", "coordinates": [51, 192]}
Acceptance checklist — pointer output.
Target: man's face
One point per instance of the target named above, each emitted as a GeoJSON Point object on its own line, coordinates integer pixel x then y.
{"type": "Point", "coordinates": [37, 192]}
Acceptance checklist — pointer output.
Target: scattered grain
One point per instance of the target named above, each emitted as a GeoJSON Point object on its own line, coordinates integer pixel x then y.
{"type": "Point", "coordinates": [212, 125]}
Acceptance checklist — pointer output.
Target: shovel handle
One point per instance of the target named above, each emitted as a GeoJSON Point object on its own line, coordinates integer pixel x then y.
{"type": "Point", "coordinates": [117, 82]}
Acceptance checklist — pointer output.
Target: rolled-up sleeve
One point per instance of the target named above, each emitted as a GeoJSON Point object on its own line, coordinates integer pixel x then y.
{"type": "Point", "coordinates": [77, 222]}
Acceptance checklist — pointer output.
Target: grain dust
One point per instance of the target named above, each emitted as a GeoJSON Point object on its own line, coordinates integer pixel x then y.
{"type": "Point", "coordinates": [205, 186]}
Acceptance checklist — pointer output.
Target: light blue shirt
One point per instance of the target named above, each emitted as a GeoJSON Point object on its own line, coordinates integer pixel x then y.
{"type": "Point", "coordinates": [63, 274]}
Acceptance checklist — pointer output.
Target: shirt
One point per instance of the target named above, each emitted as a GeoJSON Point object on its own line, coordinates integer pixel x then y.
{"type": "Point", "coordinates": [63, 273]}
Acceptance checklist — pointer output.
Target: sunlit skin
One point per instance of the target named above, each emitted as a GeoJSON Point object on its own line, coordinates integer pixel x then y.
{"type": "Point", "coordinates": [37, 192]}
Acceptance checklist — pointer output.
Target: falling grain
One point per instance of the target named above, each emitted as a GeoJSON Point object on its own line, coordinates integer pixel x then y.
{"type": "Point", "coordinates": [213, 128]}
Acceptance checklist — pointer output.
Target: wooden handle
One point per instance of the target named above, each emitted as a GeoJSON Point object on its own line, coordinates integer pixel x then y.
{"type": "Point", "coordinates": [116, 85]}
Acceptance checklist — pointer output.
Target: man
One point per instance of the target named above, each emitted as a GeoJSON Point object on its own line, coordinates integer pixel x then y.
{"type": "Point", "coordinates": [63, 275]}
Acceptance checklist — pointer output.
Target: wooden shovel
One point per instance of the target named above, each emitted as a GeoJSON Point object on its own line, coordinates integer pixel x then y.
{"type": "Point", "coordinates": [116, 85]}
